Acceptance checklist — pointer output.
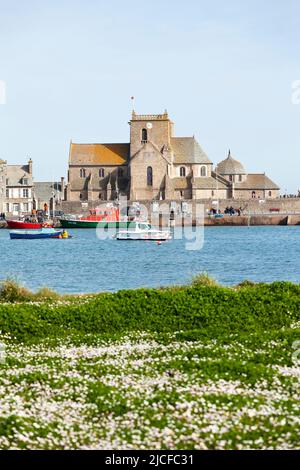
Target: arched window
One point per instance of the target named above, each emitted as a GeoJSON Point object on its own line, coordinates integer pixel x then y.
{"type": "Point", "coordinates": [253, 194]}
{"type": "Point", "coordinates": [230, 178]}
{"type": "Point", "coordinates": [149, 176]}
{"type": "Point", "coordinates": [203, 171]}
{"type": "Point", "coordinates": [80, 196]}
{"type": "Point", "coordinates": [82, 173]}
{"type": "Point", "coordinates": [101, 173]}
{"type": "Point", "coordinates": [182, 171]}
{"type": "Point", "coordinates": [240, 178]}
{"type": "Point", "coordinates": [144, 135]}
{"type": "Point", "coordinates": [270, 193]}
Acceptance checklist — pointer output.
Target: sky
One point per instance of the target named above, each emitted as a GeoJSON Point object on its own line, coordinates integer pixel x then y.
{"type": "Point", "coordinates": [225, 72]}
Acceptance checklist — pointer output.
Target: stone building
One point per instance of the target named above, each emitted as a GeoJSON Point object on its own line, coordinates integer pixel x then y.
{"type": "Point", "coordinates": [158, 165]}
{"type": "Point", "coordinates": [19, 189]}
{"type": "Point", "coordinates": [45, 192]}
{"type": "Point", "coordinates": [243, 185]}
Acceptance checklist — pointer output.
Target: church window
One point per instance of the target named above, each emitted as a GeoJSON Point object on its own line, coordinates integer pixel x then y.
{"type": "Point", "coordinates": [182, 171]}
{"type": "Point", "coordinates": [82, 173]}
{"type": "Point", "coordinates": [144, 135]}
{"type": "Point", "coordinates": [203, 171]}
{"type": "Point", "coordinates": [270, 193]}
{"type": "Point", "coordinates": [101, 173]}
{"type": "Point", "coordinates": [149, 176]}
{"type": "Point", "coordinates": [253, 194]}
{"type": "Point", "coordinates": [240, 178]}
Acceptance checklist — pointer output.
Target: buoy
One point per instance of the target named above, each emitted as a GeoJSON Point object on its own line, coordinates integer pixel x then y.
{"type": "Point", "coordinates": [158, 242]}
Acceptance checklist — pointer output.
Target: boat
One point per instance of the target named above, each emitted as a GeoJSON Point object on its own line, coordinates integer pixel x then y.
{"type": "Point", "coordinates": [144, 233]}
{"type": "Point", "coordinates": [25, 225]}
{"type": "Point", "coordinates": [35, 234]}
{"type": "Point", "coordinates": [108, 217]}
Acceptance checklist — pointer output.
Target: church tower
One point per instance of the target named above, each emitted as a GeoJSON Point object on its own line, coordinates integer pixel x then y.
{"type": "Point", "coordinates": [150, 155]}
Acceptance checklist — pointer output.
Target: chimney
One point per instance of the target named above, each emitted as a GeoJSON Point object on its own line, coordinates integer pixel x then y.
{"type": "Point", "coordinates": [62, 189]}
{"type": "Point", "coordinates": [30, 166]}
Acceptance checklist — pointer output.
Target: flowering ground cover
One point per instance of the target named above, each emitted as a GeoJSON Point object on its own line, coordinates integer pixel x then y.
{"type": "Point", "coordinates": [66, 383]}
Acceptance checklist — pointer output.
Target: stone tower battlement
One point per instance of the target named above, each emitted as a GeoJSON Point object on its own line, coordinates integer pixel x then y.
{"type": "Point", "coordinates": [149, 117]}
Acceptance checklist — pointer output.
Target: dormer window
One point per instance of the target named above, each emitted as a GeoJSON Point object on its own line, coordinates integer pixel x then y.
{"type": "Point", "coordinates": [144, 136]}
{"type": "Point", "coordinates": [24, 181]}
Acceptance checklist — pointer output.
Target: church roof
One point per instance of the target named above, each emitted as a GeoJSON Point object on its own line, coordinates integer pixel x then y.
{"type": "Point", "coordinates": [208, 183]}
{"type": "Point", "coordinates": [256, 181]}
{"type": "Point", "coordinates": [99, 154]}
{"type": "Point", "coordinates": [187, 150]}
{"type": "Point", "coordinates": [230, 166]}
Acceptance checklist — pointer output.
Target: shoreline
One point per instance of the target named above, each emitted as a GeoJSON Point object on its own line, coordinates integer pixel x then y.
{"type": "Point", "coordinates": [226, 220]}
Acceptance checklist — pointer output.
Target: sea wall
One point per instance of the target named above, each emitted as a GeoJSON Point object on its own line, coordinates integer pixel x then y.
{"type": "Point", "coordinates": [282, 211]}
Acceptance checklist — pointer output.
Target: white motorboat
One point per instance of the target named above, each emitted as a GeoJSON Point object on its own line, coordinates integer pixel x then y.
{"type": "Point", "coordinates": [144, 233]}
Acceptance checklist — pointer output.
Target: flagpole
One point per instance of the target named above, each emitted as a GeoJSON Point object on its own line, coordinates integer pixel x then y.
{"type": "Point", "coordinates": [133, 102]}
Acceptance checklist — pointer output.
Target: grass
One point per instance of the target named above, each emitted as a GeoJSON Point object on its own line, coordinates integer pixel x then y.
{"type": "Point", "coordinates": [199, 366]}
{"type": "Point", "coordinates": [11, 291]}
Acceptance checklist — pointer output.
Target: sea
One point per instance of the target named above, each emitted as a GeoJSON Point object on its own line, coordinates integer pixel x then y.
{"type": "Point", "coordinates": [90, 263]}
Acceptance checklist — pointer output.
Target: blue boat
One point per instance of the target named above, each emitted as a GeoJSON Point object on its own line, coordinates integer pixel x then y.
{"type": "Point", "coordinates": [35, 234]}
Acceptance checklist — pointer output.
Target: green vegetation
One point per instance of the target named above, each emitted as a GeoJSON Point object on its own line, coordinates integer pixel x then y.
{"type": "Point", "coordinates": [212, 311]}
{"type": "Point", "coordinates": [11, 291]}
{"type": "Point", "coordinates": [203, 279]}
{"type": "Point", "coordinates": [200, 366]}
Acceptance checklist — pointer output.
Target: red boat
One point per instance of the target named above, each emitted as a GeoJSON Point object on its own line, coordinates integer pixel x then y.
{"type": "Point", "coordinates": [20, 224]}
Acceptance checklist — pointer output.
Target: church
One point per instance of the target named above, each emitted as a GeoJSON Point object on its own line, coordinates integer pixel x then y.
{"type": "Point", "coordinates": [157, 165]}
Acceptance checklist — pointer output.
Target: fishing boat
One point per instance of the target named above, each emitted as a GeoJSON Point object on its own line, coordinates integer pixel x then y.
{"type": "Point", "coordinates": [108, 217]}
{"type": "Point", "coordinates": [144, 233]}
{"type": "Point", "coordinates": [35, 234]}
{"type": "Point", "coordinates": [25, 225]}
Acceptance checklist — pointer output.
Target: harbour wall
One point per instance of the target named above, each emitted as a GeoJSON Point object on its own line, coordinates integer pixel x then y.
{"type": "Point", "coordinates": [282, 211]}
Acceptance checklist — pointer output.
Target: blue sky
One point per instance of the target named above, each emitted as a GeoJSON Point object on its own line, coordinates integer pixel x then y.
{"type": "Point", "coordinates": [223, 70]}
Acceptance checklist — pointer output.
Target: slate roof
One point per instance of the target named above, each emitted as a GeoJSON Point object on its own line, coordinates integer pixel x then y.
{"type": "Point", "coordinates": [187, 150]}
{"type": "Point", "coordinates": [99, 154]}
{"type": "Point", "coordinates": [44, 190]}
{"type": "Point", "coordinates": [256, 181]}
{"type": "Point", "coordinates": [230, 166]}
{"type": "Point", "coordinates": [208, 183]}
{"type": "Point", "coordinates": [15, 174]}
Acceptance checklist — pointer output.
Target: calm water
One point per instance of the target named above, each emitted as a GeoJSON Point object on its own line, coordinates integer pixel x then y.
{"type": "Point", "coordinates": [87, 264]}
